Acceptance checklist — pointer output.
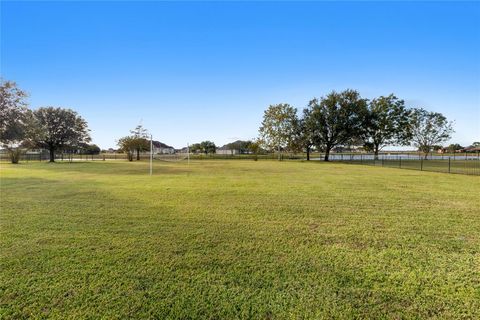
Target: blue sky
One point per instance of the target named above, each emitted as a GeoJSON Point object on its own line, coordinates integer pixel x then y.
{"type": "Point", "coordinates": [193, 71]}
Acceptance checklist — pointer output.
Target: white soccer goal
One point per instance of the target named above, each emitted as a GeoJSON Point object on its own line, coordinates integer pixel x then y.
{"type": "Point", "coordinates": [175, 157]}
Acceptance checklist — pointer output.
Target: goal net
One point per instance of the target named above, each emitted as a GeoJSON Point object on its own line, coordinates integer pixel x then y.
{"type": "Point", "coordinates": [171, 157]}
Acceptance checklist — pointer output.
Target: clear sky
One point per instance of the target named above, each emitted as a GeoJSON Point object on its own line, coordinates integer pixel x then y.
{"type": "Point", "coordinates": [193, 71]}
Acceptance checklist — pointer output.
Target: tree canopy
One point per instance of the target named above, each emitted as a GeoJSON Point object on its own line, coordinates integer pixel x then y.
{"type": "Point", "coordinates": [335, 119]}
{"type": "Point", "coordinates": [428, 129]}
{"type": "Point", "coordinates": [56, 128]}
{"type": "Point", "coordinates": [386, 122]}
{"type": "Point", "coordinates": [14, 118]}
{"type": "Point", "coordinates": [278, 127]}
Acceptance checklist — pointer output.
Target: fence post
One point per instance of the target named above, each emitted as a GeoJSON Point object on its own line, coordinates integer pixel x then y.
{"type": "Point", "coordinates": [361, 159]}
{"type": "Point", "coordinates": [449, 165]}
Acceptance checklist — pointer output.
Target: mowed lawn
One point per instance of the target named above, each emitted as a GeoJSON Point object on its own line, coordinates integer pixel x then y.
{"type": "Point", "coordinates": [237, 239]}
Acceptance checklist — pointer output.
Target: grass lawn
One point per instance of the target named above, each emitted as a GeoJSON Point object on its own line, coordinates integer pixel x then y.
{"type": "Point", "coordinates": [237, 239]}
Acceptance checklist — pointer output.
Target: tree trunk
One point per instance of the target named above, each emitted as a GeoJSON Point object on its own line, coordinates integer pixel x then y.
{"type": "Point", "coordinates": [308, 153]}
{"type": "Point", "coordinates": [376, 152]}
{"type": "Point", "coordinates": [52, 154]}
{"type": "Point", "coordinates": [138, 154]}
{"type": "Point", "coordinates": [327, 154]}
{"type": "Point", "coordinates": [14, 155]}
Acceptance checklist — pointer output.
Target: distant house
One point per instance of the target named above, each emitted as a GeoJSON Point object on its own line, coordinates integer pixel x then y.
{"type": "Point", "coordinates": [226, 149]}
{"type": "Point", "coordinates": [162, 148]}
{"type": "Point", "coordinates": [237, 147]}
{"type": "Point", "coordinates": [471, 149]}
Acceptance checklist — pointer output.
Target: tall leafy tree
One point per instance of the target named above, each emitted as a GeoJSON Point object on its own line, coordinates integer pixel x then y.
{"type": "Point", "coordinates": [429, 129]}
{"type": "Point", "coordinates": [14, 118]}
{"type": "Point", "coordinates": [128, 145]}
{"type": "Point", "coordinates": [278, 127]}
{"type": "Point", "coordinates": [306, 131]}
{"type": "Point", "coordinates": [385, 123]}
{"type": "Point", "coordinates": [140, 139]}
{"type": "Point", "coordinates": [208, 147]}
{"type": "Point", "coordinates": [195, 147]}
{"type": "Point", "coordinates": [57, 128]}
{"type": "Point", "coordinates": [335, 119]}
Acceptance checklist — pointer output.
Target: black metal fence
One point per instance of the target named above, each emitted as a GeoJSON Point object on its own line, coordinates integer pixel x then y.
{"type": "Point", "coordinates": [469, 164]}
{"type": "Point", "coordinates": [460, 163]}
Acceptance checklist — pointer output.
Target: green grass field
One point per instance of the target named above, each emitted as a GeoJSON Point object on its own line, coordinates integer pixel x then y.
{"type": "Point", "coordinates": [237, 239]}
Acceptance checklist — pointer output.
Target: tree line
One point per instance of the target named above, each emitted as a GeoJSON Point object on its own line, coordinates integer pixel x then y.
{"type": "Point", "coordinates": [47, 128]}
{"type": "Point", "coordinates": [345, 119]}
{"type": "Point", "coordinates": [338, 119]}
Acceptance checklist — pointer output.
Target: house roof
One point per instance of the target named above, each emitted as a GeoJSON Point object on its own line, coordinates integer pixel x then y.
{"type": "Point", "coordinates": [472, 148]}
{"type": "Point", "coordinates": [158, 144]}
{"type": "Point", "coordinates": [228, 146]}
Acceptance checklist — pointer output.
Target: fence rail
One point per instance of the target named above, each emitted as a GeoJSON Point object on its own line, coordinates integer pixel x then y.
{"type": "Point", "coordinates": [469, 165]}
{"type": "Point", "coordinates": [460, 163]}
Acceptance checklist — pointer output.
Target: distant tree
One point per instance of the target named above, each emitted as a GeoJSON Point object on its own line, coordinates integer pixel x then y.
{"type": "Point", "coordinates": [300, 140]}
{"type": "Point", "coordinates": [336, 118]}
{"type": "Point", "coordinates": [208, 147]}
{"type": "Point", "coordinates": [57, 128]}
{"type": "Point", "coordinates": [240, 145]}
{"type": "Point", "coordinates": [194, 148]}
{"type": "Point", "coordinates": [454, 147]}
{"type": "Point", "coordinates": [476, 144]}
{"type": "Point", "coordinates": [14, 118]}
{"type": "Point", "coordinates": [385, 122]}
{"type": "Point", "coordinates": [429, 129]}
{"type": "Point", "coordinates": [278, 127]}
{"type": "Point", "coordinates": [140, 135]}
{"type": "Point", "coordinates": [254, 147]}
{"type": "Point", "coordinates": [306, 129]}
{"type": "Point", "coordinates": [90, 148]}
{"type": "Point", "coordinates": [127, 145]}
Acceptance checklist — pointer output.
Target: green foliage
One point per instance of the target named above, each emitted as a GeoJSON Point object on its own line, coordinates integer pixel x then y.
{"type": "Point", "coordinates": [385, 122]}
{"type": "Point", "coordinates": [14, 118]}
{"type": "Point", "coordinates": [128, 145]}
{"type": "Point", "coordinates": [195, 147]}
{"type": "Point", "coordinates": [278, 127]}
{"type": "Point", "coordinates": [454, 147]}
{"type": "Point", "coordinates": [240, 145]}
{"type": "Point", "coordinates": [237, 239]}
{"type": "Point", "coordinates": [428, 129]}
{"type": "Point", "coordinates": [90, 148]}
{"type": "Point", "coordinates": [140, 140]}
{"type": "Point", "coordinates": [334, 119]}
{"type": "Point", "coordinates": [57, 128]}
{"type": "Point", "coordinates": [208, 147]}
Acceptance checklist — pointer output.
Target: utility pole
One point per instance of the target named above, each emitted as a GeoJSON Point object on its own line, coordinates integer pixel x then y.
{"type": "Point", "coordinates": [151, 153]}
